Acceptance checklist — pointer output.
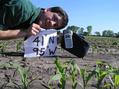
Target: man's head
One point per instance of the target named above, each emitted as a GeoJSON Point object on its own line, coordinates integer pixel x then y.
{"type": "Point", "coordinates": [53, 18]}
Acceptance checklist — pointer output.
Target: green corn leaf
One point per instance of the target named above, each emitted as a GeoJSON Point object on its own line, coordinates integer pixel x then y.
{"type": "Point", "coordinates": [58, 65]}
{"type": "Point", "coordinates": [82, 72]}
{"type": "Point", "coordinates": [107, 86]}
{"type": "Point", "coordinates": [77, 67]}
{"type": "Point", "coordinates": [90, 76]}
{"type": "Point", "coordinates": [102, 76]}
{"type": "Point", "coordinates": [6, 65]}
{"type": "Point", "coordinates": [74, 85]}
{"type": "Point", "coordinates": [100, 62]}
{"type": "Point", "coordinates": [56, 77]}
{"type": "Point", "coordinates": [80, 84]}
{"type": "Point", "coordinates": [83, 75]}
{"type": "Point", "coordinates": [116, 82]}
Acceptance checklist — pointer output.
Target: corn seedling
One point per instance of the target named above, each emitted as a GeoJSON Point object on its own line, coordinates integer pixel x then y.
{"type": "Point", "coordinates": [74, 71]}
{"type": "Point", "coordinates": [68, 70]}
{"type": "Point", "coordinates": [114, 76]}
{"type": "Point", "coordinates": [61, 75]}
{"type": "Point", "coordinates": [86, 77]}
{"type": "Point", "coordinates": [23, 73]}
{"type": "Point", "coordinates": [23, 76]}
{"type": "Point", "coordinates": [101, 72]}
{"type": "Point", "coordinates": [7, 78]}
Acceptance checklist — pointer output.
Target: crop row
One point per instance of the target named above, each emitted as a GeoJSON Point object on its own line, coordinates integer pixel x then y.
{"type": "Point", "coordinates": [104, 75]}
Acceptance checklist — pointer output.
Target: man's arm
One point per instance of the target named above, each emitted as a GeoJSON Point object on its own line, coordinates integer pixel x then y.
{"type": "Point", "coordinates": [18, 33]}
{"type": "Point", "coordinates": [12, 34]}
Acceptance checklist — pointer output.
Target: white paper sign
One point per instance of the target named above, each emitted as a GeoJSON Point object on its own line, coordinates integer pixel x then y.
{"type": "Point", "coordinates": [43, 44]}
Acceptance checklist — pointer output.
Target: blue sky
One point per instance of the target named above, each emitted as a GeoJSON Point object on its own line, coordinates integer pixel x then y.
{"type": "Point", "coordinates": [100, 14]}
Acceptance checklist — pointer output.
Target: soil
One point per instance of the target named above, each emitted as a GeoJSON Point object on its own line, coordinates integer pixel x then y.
{"type": "Point", "coordinates": [44, 67]}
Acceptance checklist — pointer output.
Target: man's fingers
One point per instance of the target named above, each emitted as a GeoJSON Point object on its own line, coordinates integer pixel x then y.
{"type": "Point", "coordinates": [35, 30]}
{"type": "Point", "coordinates": [36, 26]}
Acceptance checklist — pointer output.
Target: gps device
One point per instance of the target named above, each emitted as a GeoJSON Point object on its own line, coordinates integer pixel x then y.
{"type": "Point", "coordinates": [68, 38]}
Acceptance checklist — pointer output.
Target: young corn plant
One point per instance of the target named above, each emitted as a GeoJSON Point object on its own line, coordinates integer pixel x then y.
{"type": "Point", "coordinates": [116, 80]}
{"type": "Point", "coordinates": [23, 76]}
{"type": "Point", "coordinates": [86, 77]}
{"type": "Point", "coordinates": [74, 71]}
{"type": "Point", "coordinates": [114, 77]}
{"type": "Point", "coordinates": [101, 71]}
{"type": "Point", "coordinates": [61, 75]}
{"type": "Point", "coordinates": [68, 70]}
{"type": "Point", "coordinates": [7, 76]}
{"type": "Point", "coordinates": [23, 73]}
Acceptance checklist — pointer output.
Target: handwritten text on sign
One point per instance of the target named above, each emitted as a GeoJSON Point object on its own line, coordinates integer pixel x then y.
{"type": "Point", "coordinates": [43, 44]}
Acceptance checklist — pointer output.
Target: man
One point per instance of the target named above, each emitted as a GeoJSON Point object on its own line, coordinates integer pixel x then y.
{"type": "Point", "coordinates": [20, 18]}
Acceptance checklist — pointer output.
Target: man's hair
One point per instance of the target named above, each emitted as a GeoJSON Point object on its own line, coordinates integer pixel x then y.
{"type": "Point", "coordinates": [63, 13]}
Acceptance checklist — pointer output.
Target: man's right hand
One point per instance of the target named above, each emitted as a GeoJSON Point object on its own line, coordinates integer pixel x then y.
{"type": "Point", "coordinates": [33, 29]}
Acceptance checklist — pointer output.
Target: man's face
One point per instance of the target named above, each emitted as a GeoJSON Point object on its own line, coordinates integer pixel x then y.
{"type": "Point", "coordinates": [51, 20]}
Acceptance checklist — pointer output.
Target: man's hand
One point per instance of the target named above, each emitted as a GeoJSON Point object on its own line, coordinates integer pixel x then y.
{"type": "Point", "coordinates": [33, 29]}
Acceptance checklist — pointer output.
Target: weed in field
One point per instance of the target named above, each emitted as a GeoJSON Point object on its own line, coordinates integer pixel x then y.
{"type": "Point", "coordinates": [2, 47]}
{"type": "Point", "coordinates": [18, 46]}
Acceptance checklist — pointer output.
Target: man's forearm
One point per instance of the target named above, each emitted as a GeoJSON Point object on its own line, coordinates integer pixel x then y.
{"type": "Point", "coordinates": [12, 34]}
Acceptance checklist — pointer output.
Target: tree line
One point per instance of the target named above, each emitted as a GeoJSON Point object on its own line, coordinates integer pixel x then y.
{"type": "Point", "coordinates": [88, 32]}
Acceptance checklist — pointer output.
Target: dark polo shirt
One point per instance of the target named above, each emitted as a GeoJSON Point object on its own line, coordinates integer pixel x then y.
{"type": "Point", "coordinates": [16, 14]}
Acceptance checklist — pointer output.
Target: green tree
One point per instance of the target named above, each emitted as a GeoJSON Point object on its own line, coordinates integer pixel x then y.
{"type": "Point", "coordinates": [80, 31]}
{"type": "Point", "coordinates": [89, 30]}
{"type": "Point", "coordinates": [117, 34]}
{"type": "Point", "coordinates": [85, 33]}
{"type": "Point", "coordinates": [97, 34]}
{"type": "Point", "coordinates": [108, 33]}
{"type": "Point", "coordinates": [73, 28]}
